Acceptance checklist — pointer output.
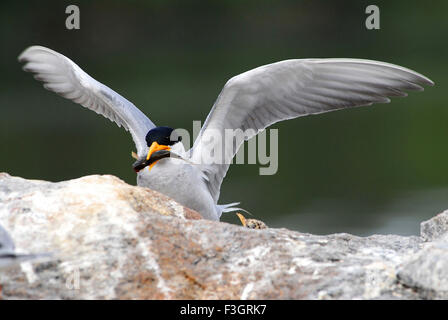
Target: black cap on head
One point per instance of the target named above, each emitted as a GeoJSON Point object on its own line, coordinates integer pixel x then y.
{"type": "Point", "coordinates": [163, 136]}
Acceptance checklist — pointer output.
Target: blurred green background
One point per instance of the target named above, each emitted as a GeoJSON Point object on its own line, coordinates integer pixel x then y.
{"type": "Point", "coordinates": [381, 169]}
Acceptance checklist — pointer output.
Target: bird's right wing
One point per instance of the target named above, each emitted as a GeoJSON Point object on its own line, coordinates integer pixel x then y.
{"type": "Point", "coordinates": [64, 77]}
{"type": "Point", "coordinates": [289, 89]}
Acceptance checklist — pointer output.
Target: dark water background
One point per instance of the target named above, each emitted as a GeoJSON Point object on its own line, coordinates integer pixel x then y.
{"type": "Point", "coordinates": [380, 169]}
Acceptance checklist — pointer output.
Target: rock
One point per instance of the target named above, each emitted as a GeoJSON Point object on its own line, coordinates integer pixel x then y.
{"type": "Point", "coordinates": [111, 240]}
{"type": "Point", "coordinates": [435, 227]}
{"type": "Point", "coordinates": [427, 272]}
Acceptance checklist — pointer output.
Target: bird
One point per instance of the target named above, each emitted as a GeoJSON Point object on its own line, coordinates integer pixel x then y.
{"type": "Point", "coordinates": [250, 101]}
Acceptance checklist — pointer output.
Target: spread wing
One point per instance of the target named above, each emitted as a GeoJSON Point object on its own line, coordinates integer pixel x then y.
{"type": "Point", "coordinates": [64, 77]}
{"type": "Point", "coordinates": [8, 256]}
{"type": "Point", "coordinates": [293, 88]}
{"type": "Point", "coordinates": [6, 243]}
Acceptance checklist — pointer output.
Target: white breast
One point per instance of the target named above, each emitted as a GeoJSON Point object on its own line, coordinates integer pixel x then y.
{"type": "Point", "coordinates": [181, 181]}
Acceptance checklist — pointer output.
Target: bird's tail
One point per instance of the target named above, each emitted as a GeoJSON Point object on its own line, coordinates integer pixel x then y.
{"type": "Point", "coordinates": [230, 207]}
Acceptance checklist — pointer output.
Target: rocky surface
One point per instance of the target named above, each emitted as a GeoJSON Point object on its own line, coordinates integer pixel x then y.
{"type": "Point", "coordinates": [110, 240]}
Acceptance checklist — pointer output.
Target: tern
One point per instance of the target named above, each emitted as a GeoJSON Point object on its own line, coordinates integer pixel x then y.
{"type": "Point", "coordinates": [252, 100]}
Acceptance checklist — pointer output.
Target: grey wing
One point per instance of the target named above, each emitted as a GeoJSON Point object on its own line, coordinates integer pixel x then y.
{"type": "Point", "coordinates": [293, 88]}
{"type": "Point", "coordinates": [64, 77]}
{"type": "Point", "coordinates": [6, 242]}
{"type": "Point", "coordinates": [8, 259]}
{"type": "Point", "coordinates": [8, 256]}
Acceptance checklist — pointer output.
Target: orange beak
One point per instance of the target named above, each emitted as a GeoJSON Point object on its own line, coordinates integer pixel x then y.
{"type": "Point", "coordinates": [154, 148]}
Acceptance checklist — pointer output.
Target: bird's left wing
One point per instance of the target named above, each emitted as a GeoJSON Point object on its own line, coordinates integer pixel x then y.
{"type": "Point", "coordinates": [6, 242]}
{"type": "Point", "coordinates": [289, 89]}
{"type": "Point", "coordinates": [8, 256]}
{"type": "Point", "coordinates": [64, 77]}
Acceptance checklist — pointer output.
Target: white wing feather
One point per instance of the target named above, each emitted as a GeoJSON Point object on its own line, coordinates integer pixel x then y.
{"type": "Point", "coordinates": [293, 88]}
{"type": "Point", "coordinates": [64, 77]}
{"type": "Point", "coordinates": [6, 242]}
{"type": "Point", "coordinates": [8, 255]}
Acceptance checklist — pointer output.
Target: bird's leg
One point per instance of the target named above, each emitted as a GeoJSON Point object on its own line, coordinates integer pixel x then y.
{"type": "Point", "coordinates": [134, 155]}
{"type": "Point", "coordinates": [242, 219]}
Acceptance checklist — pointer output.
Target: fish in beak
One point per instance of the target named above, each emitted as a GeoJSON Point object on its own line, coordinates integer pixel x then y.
{"type": "Point", "coordinates": [155, 156]}
{"type": "Point", "coordinates": [155, 153]}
